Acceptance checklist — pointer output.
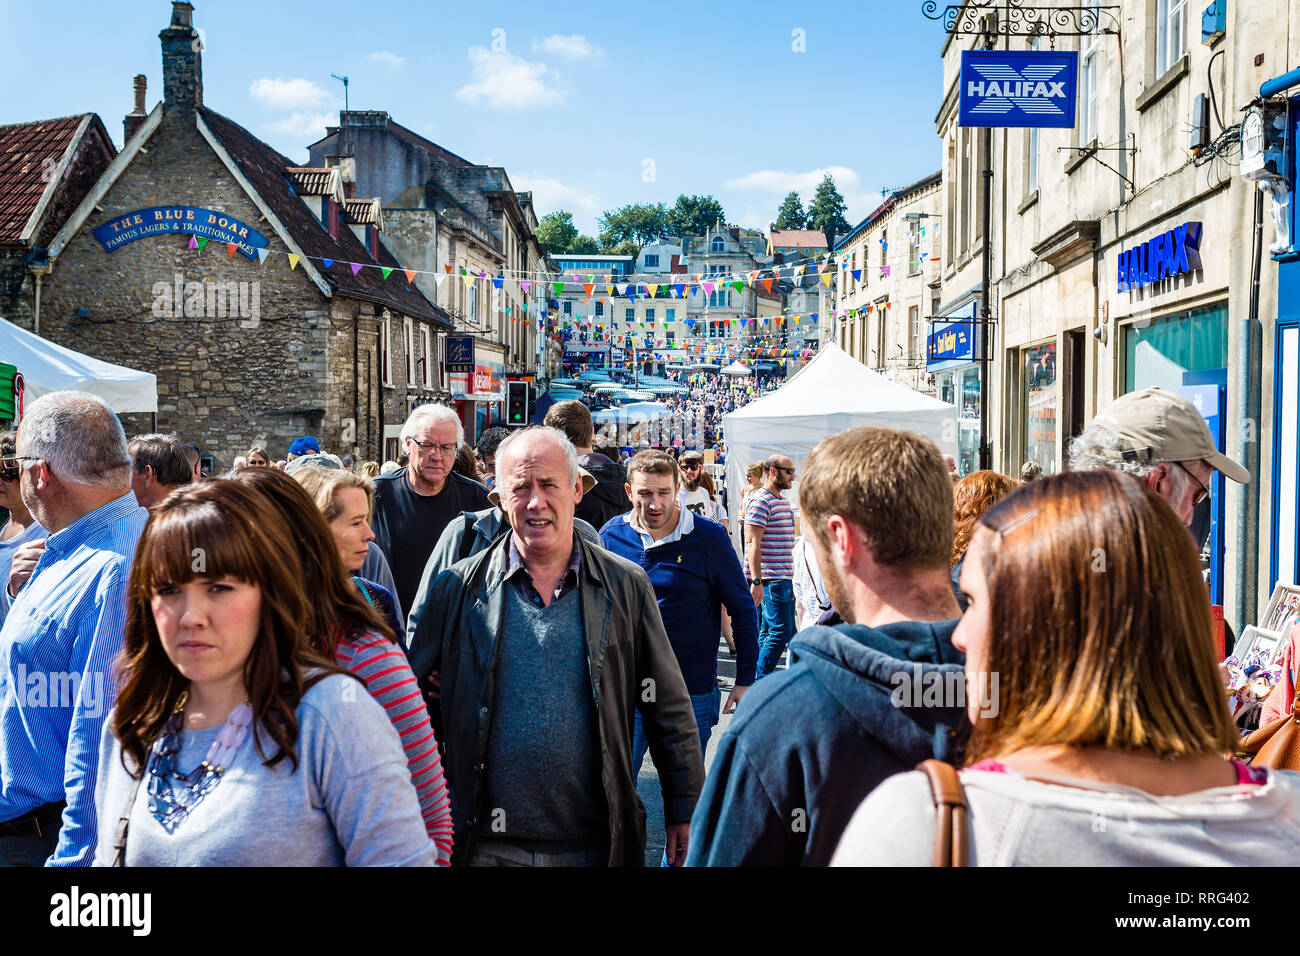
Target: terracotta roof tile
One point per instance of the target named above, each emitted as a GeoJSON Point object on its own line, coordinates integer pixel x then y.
{"type": "Point", "coordinates": [311, 181]}
{"type": "Point", "coordinates": [28, 153]}
{"type": "Point", "coordinates": [806, 238]}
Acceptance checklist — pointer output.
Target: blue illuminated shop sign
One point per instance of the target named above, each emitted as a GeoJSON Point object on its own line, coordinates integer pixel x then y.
{"type": "Point", "coordinates": [1160, 257]}
{"type": "Point", "coordinates": [951, 344]}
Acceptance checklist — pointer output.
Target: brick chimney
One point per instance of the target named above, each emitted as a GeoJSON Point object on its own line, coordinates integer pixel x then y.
{"type": "Point", "coordinates": [182, 55]}
{"type": "Point", "coordinates": [133, 119]}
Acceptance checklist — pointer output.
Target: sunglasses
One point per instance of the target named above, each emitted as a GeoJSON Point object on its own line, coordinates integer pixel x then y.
{"type": "Point", "coordinates": [9, 467]}
{"type": "Point", "coordinates": [1203, 493]}
{"type": "Point", "coordinates": [788, 471]}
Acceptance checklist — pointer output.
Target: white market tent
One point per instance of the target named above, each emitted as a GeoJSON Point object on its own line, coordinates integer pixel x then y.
{"type": "Point", "coordinates": [736, 368]}
{"type": "Point", "coordinates": [48, 367]}
{"type": "Point", "coordinates": [832, 393]}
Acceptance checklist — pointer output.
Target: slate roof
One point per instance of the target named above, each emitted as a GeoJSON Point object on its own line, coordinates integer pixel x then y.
{"type": "Point", "coordinates": [268, 172]}
{"type": "Point", "coordinates": [24, 176]}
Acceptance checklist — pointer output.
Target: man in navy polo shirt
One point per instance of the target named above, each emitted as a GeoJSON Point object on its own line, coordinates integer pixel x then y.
{"type": "Point", "coordinates": [695, 572]}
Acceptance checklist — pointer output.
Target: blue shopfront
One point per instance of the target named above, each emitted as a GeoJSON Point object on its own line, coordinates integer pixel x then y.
{"type": "Point", "coordinates": [1284, 506]}
{"type": "Point", "coordinates": [950, 357]}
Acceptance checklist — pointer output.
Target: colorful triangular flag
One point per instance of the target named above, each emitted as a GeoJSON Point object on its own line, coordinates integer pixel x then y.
{"type": "Point", "coordinates": [293, 262]}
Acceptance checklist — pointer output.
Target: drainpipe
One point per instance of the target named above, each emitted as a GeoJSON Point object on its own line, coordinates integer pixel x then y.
{"type": "Point", "coordinates": [1249, 400]}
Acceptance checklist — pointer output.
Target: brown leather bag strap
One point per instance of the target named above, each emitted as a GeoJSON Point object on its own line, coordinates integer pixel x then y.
{"type": "Point", "coordinates": [951, 847]}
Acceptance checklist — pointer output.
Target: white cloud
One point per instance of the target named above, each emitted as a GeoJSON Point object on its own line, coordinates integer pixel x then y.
{"type": "Point", "coordinates": [503, 81]}
{"type": "Point", "coordinates": [391, 59]}
{"type": "Point", "coordinates": [295, 94]}
{"type": "Point", "coordinates": [550, 195]}
{"type": "Point", "coordinates": [858, 200]}
{"type": "Point", "coordinates": [572, 47]}
{"type": "Point", "coordinates": [304, 123]}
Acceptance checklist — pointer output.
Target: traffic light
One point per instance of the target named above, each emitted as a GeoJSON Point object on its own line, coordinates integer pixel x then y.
{"type": "Point", "coordinates": [516, 403]}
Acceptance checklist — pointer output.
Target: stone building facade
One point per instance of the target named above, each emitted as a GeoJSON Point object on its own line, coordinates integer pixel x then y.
{"type": "Point", "coordinates": [46, 169]}
{"type": "Point", "coordinates": [248, 345]}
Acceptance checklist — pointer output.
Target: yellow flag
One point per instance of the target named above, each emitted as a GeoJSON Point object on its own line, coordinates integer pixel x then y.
{"type": "Point", "coordinates": [293, 262]}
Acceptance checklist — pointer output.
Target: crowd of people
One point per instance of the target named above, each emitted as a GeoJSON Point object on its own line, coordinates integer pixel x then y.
{"type": "Point", "coordinates": [464, 659]}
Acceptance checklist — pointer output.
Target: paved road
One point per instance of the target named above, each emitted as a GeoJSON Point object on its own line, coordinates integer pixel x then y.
{"type": "Point", "coordinates": [647, 782]}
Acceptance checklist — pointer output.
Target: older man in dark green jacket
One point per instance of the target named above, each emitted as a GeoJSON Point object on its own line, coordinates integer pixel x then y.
{"type": "Point", "coordinates": [542, 646]}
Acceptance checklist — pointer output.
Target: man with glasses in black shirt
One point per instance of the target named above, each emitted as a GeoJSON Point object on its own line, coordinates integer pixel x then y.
{"type": "Point", "coordinates": [413, 505]}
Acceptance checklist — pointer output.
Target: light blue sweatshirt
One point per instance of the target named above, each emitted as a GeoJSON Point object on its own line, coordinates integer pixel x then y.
{"type": "Point", "coordinates": [350, 802]}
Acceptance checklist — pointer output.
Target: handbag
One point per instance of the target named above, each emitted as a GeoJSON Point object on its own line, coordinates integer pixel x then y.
{"type": "Point", "coordinates": [1277, 743]}
{"type": "Point", "coordinates": [951, 843]}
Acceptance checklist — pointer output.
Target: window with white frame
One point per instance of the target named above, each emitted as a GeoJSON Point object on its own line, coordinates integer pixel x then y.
{"type": "Point", "coordinates": [408, 340]}
{"type": "Point", "coordinates": [1171, 33]}
{"type": "Point", "coordinates": [670, 315]}
{"type": "Point", "coordinates": [1089, 47]}
{"type": "Point", "coordinates": [718, 244]}
{"type": "Point", "coordinates": [1031, 146]}
{"type": "Point", "coordinates": [600, 309]}
{"type": "Point", "coordinates": [386, 350]}
{"type": "Point", "coordinates": [568, 307]}
{"type": "Point", "coordinates": [630, 315]}
{"type": "Point", "coordinates": [914, 333]}
{"type": "Point", "coordinates": [427, 351]}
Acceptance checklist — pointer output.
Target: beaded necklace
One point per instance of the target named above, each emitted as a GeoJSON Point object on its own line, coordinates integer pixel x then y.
{"type": "Point", "coordinates": [173, 794]}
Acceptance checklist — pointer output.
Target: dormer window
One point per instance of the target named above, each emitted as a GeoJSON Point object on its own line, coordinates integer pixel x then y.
{"type": "Point", "coordinates": [718, 245]}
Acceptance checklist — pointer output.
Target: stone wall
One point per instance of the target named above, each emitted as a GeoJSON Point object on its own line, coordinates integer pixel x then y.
{"type": "Point", "coordinates": [223, 382]}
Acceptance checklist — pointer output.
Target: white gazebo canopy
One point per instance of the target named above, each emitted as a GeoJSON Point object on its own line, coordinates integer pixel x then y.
{"type": "Point", "coordinates": [832, 393]}
{"type": "Point", "coordinates": [48, 367]}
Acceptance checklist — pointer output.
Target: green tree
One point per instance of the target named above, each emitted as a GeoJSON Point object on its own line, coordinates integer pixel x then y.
{"type": "Point", "coordinates": [791, 214]}
{"type": "Point", "coordinates": [556, 231]}
{"type": "Point", "coordinates": [692, 216]}
{"type": "Point", "coordinates": [628, 247]}
{"type": "Point", "coordinates": [583, 246]}
{"type": "Point", "coordinates": [635, 222]}
{"type": "Point", "coordinates": [826, 211]}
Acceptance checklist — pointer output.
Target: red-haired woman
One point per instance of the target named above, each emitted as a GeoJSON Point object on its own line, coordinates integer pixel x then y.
{"type": "Point", "coordinates": [233, 742]}
{"type": "Point", "coordinates": [348, 629]}
{"type": "Point", "coordinates": [971, 497]}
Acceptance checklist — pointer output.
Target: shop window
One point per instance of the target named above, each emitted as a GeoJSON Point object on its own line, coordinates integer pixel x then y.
{"type": "Point", "coordinates": [1158, 351]}
{"type": "Point", "coordinates": [1041, 405]}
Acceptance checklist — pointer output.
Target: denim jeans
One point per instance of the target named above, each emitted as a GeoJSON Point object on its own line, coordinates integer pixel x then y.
{"type": "Point", "coordinates": [29, 849]}
{"type": "Point", "coordinates": [776, 624]}
{"type": "Point", "coordinates": [706, 707]}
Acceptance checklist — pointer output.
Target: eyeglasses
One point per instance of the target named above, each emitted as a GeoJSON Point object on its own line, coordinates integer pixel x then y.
{"type": "Point", "coordinates": [1203, 493]}
{"type": "Point", "coordinates": [691, 466]}
{"type": "Point", "coordinates": [788, 471]}
{"type": "Point", "coordinates": [428, 447]}
{"type": "Point", "coordinates": [10, 464]}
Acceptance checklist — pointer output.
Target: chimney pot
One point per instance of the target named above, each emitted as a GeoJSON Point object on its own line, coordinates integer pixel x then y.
{"type": "Point", "coordinates": [131, 122]}
{"type": "Point", "coordinates": [182, 47]}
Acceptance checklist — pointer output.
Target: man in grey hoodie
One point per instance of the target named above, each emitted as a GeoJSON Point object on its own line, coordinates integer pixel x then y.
{"type": "Point", "coordinates": [860, 701]}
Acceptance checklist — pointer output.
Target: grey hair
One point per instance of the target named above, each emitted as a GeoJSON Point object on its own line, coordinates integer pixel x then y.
{"type": "Point", "coordinates": [79, 437]}
{"type": "Point", "coordinates": [554, 434]}
{"type": "Point", "coordinates": [436, 415]}
{"type": "Point", "coordinates": [1086, 453]}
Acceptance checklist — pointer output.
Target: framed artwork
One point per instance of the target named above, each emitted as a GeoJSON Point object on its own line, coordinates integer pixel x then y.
{"type": "Point", "coordinates": [1257, 647]}
{"type": "Point", "coordinates": [1283, 609]}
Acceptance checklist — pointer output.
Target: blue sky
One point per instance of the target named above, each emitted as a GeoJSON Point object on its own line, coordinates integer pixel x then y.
{"type": "Point", "coordinates": [587, 104]}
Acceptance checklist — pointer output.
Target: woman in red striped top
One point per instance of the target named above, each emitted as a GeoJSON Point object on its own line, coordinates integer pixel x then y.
{"type": "Point", "coordinates": [351, 631]}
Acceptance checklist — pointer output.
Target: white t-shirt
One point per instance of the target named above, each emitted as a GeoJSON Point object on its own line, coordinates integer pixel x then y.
{"type": "Point", "coordinates": [701, 503]}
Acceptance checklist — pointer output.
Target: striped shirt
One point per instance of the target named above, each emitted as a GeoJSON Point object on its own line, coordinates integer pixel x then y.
{"type": "Point", "coordinates": [56, 682]}
{"type": "Point", "coordinates": [387, 675]}
{"type": "Point", "coordinates": [772, 513]}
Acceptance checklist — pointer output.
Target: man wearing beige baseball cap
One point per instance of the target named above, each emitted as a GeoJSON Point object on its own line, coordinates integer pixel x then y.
{"type": "Point", "coordinates": [1159, 437]}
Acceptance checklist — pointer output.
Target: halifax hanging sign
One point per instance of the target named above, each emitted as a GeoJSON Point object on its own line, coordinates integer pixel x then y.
{"type": "Point", "coordinates": [1025, 88]}
{"type": "Point", "coordinates": [203, 223]}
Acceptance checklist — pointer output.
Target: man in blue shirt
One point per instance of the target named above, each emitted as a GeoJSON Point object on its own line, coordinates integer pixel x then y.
{"type": "Point", "coordinates": [694, 569]}
{"type": "Point", "coordinates": [64, 628]}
